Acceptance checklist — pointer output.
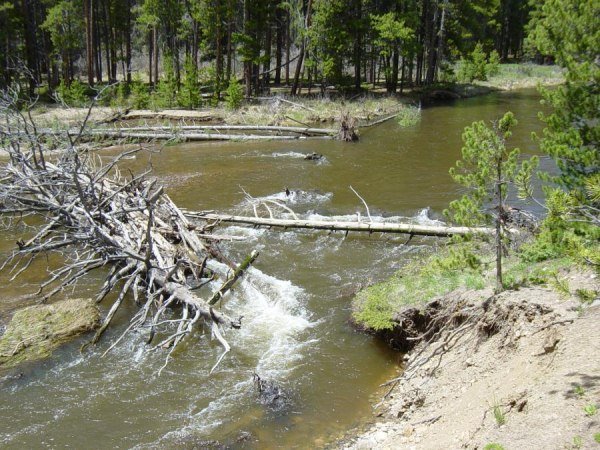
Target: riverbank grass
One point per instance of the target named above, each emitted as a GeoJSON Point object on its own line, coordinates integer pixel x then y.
{"type": "Point", "coordinates": [417, 283]}
{"type": "Point", "coordinates": [35, 332]}
{"type": "Point", "coordinates": [466, 265]}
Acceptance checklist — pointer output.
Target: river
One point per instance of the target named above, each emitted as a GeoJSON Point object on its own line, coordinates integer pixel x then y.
{"type": "Point", "coordinates": [295, 301]}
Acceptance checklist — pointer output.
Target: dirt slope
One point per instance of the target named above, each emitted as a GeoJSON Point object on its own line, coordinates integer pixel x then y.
{"type": "Point", "coordinates": [532, 354]}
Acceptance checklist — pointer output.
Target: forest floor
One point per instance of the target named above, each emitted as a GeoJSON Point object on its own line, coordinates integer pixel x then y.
{"type": "Point", "coordinates": [518, 370]}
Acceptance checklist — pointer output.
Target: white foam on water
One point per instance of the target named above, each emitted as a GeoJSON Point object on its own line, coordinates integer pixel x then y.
{"type": "Point", "coordinates": [271, 336]}
{"type": "Point", "coordinates": [296, 197]}
{"type": "Point", "coordinates": [291, 154]}
{"type": "Point", "coordinates": [244, 231]}
{"type": "Point", "coordinates": [423, 218]}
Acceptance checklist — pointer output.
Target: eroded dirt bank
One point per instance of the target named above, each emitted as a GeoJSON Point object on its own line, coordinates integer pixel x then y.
{"type": "Point", "coordinates": [520, 369]}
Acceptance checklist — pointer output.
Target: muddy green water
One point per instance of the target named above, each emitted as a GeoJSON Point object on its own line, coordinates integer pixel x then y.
{"type": "Point", "coordinates": [295, 302]}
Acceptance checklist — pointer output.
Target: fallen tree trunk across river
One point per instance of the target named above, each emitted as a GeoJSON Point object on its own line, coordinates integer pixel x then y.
{"type": "Point", "coordinates": [331, 225]}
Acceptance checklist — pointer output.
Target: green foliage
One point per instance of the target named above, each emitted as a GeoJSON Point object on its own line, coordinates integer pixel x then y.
{"type": "Point", "coordinates": [65, 24]}
{"type": "Point", "coordinates": [561, 236]}
{"type": "Point", "coordinates": [486, 169]}
{"type": "Point", "coordinates": [597, 437]}
{"type": "Point", "coordinates": [474, 67]}
{"type": "Point", "coordinates": [579, 390]}
{"type": "Point", "coordinates": [590, 410]}
{"type": "Point", "coordinates": [417, 283]}
{"type": "Point", "coordinates": [521, 273]}
{"type": "Point", "coordinates": [567, 30]}
{"type": "Point", "coordinates": [483, 154]}
{"type": "Point", "coordinates": [165, 93]}
{"type": "Point", "coordinates": [493, 446]}
{"type": "Point", "coordinates": [586, 296]}
{"type": "Point", "coordinates": [189, 94]}
{"type": "Point", "coordinates": [561, 285]}
{"type": "Point", "coordinates": [499, 415]}
{"type": "Point", "coordinates": [478, 66]}
{"type": "Point", "coordinates": [409, 117]}
{"type": "Point", "coordinates": [139, 98]}
{"type": "Point", "coordinates": [74, 94]}
{"type": "Point", "coordinates": [234, 95]}
{"type": "Point", "coordinates": [492, 67]}
{"type": "Point", "coordinates": [577, 442]}
{"type": "Point", "coordinates": [390, 31]}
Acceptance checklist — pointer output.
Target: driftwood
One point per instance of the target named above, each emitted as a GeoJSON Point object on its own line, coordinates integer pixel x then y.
{"type": "Point", "coordinates": [174, 134]}
{"type": "Point", "coordinates": [201, 116]}
{"type": "Point", "coordinates": [97, 218]}
{"type": "Point", "coordinates": [330, 225]}
{"type": "Point", "coordinates": [307, 131]}
{"type": "Point", "coordinates": [380, 121]}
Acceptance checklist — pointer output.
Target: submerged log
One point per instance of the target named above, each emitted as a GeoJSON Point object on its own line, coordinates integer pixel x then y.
{"type": "Point", "coordinates": [331, 225]}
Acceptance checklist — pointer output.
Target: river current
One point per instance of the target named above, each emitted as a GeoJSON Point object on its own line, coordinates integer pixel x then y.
{"type": "Point", "coordinates": [295, 301]}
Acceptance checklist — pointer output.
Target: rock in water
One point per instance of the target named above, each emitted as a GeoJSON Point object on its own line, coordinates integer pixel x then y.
{"type": "Point", "coordinates": [313, 157]}
{"type": "Point", "coordinates": [35, 332]}
{"type": "Point", "coordinates": [269, 393]}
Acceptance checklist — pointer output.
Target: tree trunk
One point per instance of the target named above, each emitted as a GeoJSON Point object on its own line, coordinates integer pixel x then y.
{"type": "Point", "coordinates": [89, 42]}
{"type": "Point", "coordinates": [395, 63]}
{"type": "Point", "coordinates": [499, 198]}
{"type": "Point", "coordinates": [266, 77]}
{"type": "Point", "coordinates": [402, 75]}
{"type": "Point", "coordinates": [30, 44]}
{"type": "Point", "coordinates": [97, 41]}
{"type": "Point", "coordinates": [107, 43]}
{"type": "Point", "coordinates": [247, 62]}
{"type": "Point", "coordinates": [363, 226]}
{"type": "Point", "coordinates": [288, 44]}
{"type": "Point", "coordinates": [357, 44]}
{"type": "Point", "coordinates": [219, 51]}
{"type": "Point", "coordinates": [229, 36]}
{"type": "Point", "coordinates": [441, 38]}
{"type": "Point", "coordinates": [128, 43]}
{"type": "Point", "coordinates": [307, 22]}
{"type": "Point", "coordinates": [155, 53]}
{"type": "Point", "coordinates": [278, 44]}
{"type": "Point", "coordinates": [432, 40]}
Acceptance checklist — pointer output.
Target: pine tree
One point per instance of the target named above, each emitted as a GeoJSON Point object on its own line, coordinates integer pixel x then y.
{"type": "Point", "coordinates": [486, 169]}
{"type": "Point", "coordinates": [569, 32]}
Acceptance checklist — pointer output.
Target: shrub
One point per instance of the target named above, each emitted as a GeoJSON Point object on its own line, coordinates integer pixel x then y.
{"type": "Point", "coordinates": [139, 97]}
{"type": "Point", "coordinates": [165, 93]}
{"type": "Point", "coordinates": [493, 65]}
{"type": "Point", "coordinates": [409, 117]}
{"type": "Point", "coordinates": [235, 95]}
{"type": "Point", "coordinates": [189, 95]}
{"type": "Point", "coordinates": [493, 446]}
{"type": "Point", "coordinates": [74, 94]}
{"type": "Point", "coordinates": [478, 66]}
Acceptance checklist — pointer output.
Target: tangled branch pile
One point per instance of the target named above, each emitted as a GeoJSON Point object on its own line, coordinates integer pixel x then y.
{"type": "Point", "coordinates": [97, 218]}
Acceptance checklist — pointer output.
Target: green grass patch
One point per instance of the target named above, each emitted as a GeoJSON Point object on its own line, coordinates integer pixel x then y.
{"type": "Point", "coordinates": [409, 117]}
{"type": "Point", "coordinates": [417, 283]}
{"type": "Point", "coordinates": [519, 273]}
{"type": "Point", "coordinates": [467, 265]}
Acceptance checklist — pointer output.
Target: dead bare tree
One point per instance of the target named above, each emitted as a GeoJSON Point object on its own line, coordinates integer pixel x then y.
{"type": "Point", "coordinates": [97, 217]}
